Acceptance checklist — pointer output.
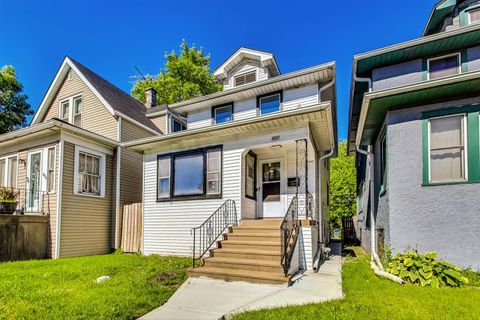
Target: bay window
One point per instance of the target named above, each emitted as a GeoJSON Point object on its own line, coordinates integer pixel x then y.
{"type": "Point", "coordinates": [192, 174]}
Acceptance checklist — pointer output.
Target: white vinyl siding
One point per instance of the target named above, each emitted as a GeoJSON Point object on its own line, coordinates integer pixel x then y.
{"type": "Point", "coordinates": [244, 109]}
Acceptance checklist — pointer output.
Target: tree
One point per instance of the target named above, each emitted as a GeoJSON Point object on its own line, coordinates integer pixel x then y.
{"type": "Point", "coordinates": [186, 75]}
{"type": "Point", "coordinates": [14, 108]}
{"type": "Point", "coordinates": [343, 186]}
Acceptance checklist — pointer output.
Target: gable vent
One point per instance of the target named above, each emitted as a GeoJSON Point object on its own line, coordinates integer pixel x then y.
{"type": "Point", "coordinates": [245, 78]}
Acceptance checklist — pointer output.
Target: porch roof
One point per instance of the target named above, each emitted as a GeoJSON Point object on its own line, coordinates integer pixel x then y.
{"type": "Point", "coordinates": [317, 118]}
{"type": "Point", "coordinates": [51, 127]}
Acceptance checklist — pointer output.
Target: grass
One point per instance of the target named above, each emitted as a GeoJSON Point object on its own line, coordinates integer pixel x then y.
{"type": "Point", "coordinates": [370, 297]}
{"type": "Point", "coordinates": [66, 288]}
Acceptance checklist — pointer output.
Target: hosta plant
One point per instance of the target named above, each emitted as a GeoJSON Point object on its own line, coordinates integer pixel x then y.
{"type": "Point", "coordinates": [425, 270]}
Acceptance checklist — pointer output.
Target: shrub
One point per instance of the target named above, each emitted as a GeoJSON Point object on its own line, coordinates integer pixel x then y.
{"type": "Point", "coordinates": [8, 194]}
{"type": "Point", "coordinates": [424, 270]}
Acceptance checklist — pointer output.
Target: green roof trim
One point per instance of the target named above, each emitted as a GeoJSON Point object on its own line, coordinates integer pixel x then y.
{"type": "Point", "coordinates": [440, 11]}
{"type": "Point", "coordinates": [379, 107]}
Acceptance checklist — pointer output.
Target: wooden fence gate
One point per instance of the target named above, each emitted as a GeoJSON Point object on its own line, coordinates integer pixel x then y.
{"type": "Point", "coordinates": [348, 231]}
{"type": "Point", "coordinates": [132, 228]}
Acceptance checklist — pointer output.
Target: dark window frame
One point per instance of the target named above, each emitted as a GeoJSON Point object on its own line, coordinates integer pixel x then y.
{"type": "Point", "coordinates": [255, 168]}
{"type": "Point", "coordinates": [201, 151]}
{"type": "Point", "coordinates": [182, 125]}
{"type": "Point", "coordinates": [279, 92]}
{"type": "Point", "coordinates": [214, 108]}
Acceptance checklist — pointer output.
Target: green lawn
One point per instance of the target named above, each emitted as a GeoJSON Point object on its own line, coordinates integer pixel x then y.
{"type": "Point", "coordinates": [369, 297]}
{"type": "Point", "coordinates": [66, 288]}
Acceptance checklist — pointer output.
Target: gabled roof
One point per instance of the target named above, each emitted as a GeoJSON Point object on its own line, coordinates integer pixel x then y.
{"type": "Point", "coordinates": [439, 12]}
{"type": "Point", "coordinates": [117, 102]}
{"type": "Point", "coordinates": [267, 59]}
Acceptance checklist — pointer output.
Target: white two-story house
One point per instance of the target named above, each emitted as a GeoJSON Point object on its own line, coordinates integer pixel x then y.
{"type": "Point", "coordinates": [245, 187]}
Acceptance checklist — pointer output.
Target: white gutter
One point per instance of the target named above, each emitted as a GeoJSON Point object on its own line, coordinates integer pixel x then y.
{"type": "Point", "coordinates": [121, 115]}
{"type": "Point", "coordinates": [58, 219]}
{"type": "Point", "coordinates": [117, 186]}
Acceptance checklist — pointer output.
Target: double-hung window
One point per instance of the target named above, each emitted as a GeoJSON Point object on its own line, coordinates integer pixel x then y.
{"type": "Point", "coordinates": [51, 169]}
{"type": "Point", "coordinates": [447, 148]}
{"type": "Point", "coordinates": [192, 174]}
{"type": "Point", "coordinates": [223, 113]}
{"type": "Point", "coordinates": [444, 66]}
{"type": "Point", "coordinates": [89, 172]}
{"type": "Point", "coordinates": [269, 103]}
{"type": "Point", "coordinates": [8, 172]}
{"type": "Point", "coordinates": [71, 110]}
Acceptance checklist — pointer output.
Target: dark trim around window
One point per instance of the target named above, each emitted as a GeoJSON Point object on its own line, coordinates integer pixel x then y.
{"type": "Point", "coordinates": [172, 156]}
{"type": "Point", "coordinates": [254, 156]}
{"type": "Point", "coordinates": [280, 92]}
{"type": "Point", "coordinates": [221, 106]}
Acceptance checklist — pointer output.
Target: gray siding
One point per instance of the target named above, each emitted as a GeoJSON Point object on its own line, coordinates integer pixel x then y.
{"type": "Point", "coordinates": [397, 75]}
{"type": "Point", "coordinates": [444, 219]}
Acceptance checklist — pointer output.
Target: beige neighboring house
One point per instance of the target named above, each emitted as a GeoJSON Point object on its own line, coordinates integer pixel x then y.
{"type": "Point", "coordinates": [68, 164]}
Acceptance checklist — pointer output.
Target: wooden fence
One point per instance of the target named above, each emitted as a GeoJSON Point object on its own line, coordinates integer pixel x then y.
{"type": "Point", "coordinates": [349, 236]}
{"type": "Point", "coordinates": [132, 228]}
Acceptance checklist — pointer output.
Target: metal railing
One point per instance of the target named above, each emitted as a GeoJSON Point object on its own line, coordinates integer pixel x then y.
{"type": "Point", "coordinates": [289, 230]}
{"type": "Point", "coordinates": [26, 200]}
{"type": "Point", "coordinates": [205, 235]}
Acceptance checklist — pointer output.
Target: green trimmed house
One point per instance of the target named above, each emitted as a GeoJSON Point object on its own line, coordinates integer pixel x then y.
{"type": "Point", "coordinates": [414, 127]}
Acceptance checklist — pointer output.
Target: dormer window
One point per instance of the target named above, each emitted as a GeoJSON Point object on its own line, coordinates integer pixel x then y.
{"type": "Point", "coordinates": [177, 126]}
{"type": "Point", "coordinates": [473, 16]}
{"type": "Point", "coordinates": [443, 66]}
{"type": "Point", "coordinates": [71, 110]}
{"type": "Point", "coordinates": [245, 78]}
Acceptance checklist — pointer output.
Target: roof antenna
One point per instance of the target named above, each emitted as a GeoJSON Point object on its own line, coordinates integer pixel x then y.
{"type": "Point", "coordinates": [140, 72]}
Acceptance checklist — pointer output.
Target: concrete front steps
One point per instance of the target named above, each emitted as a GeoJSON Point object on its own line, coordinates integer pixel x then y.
{"type": "Point", "coordinates": [250, 252]}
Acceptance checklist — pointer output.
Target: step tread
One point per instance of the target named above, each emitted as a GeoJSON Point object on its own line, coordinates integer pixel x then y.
{"type": "Point", "coordinates": [255, 234]}
{"type": "Point", "coordinates": [240, 261]}
{"type": "Point", "coordinates": [247, 251]}
{"type": "Point", "coordinates": [241, 273]}
{"type": "Point", "coordinates": [252, 242]}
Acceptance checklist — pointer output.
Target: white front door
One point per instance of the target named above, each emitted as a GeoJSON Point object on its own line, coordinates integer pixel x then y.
{"type": "Point", "coordinates": [34, 182]}
{"type": "Point", "coordinates": [271, 182]}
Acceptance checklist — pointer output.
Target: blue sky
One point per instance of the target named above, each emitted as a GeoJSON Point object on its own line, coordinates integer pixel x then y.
{"type": "Point", "coordinates": [111, 37]}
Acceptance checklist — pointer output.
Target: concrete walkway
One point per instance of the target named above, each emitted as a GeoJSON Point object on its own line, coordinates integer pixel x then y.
{"type": "Point", "coordinates": [204, 298]}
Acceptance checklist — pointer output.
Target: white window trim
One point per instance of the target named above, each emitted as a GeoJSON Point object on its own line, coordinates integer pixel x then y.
{"type": "Point", "coordinates": [443, 57]}
{"type": "Point", "coordinates": [7, 167]}
{"type": "Point", "coordinates": [70, 108]}
{"type": "Point", "coordinates": [102, 171]}
{"type": "Point", "coordinates": [280, 106]}
{"type": "Point", "coordinates": [468, 12]}
{"type": "Point", "coordinates": [54, 169]}
{"type": "Point", "coordinates": [465, 147]}
{"type": "Point", "coordinates": [244, 74]}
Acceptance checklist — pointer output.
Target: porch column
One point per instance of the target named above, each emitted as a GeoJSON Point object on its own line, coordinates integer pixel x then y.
{"type": "Point", "coordinates": [301, 168]}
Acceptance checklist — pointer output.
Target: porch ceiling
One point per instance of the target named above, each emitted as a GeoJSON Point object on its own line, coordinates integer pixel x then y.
{"type": "Point", "coordinates": [317, 118]}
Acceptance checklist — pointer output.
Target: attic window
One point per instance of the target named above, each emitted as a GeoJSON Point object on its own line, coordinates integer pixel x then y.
{"type": "Point", "coordinates": [245, 78]}
{"type": "Point", "coordinates": [71, 74]}
{"type": "Point", "coordinates": [474, 16]}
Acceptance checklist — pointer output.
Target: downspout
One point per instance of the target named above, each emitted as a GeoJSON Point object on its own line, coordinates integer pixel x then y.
{"type": "Point", "coordinates": [371, 183]}
{"type": "Point", "coordinates": [58, 229]}
{"type": "Point", "coordinates": [117, 185]}
{"type": "Point", "coordinates": [321, 244]}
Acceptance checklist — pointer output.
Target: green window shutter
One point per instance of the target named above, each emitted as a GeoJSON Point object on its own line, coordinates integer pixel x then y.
{"type": "Point", "coordinates": [425, 69]}
{"type": "Point", "coordinates": [464, 61]}
{"type": "Point", "coordinates": [473, 147]}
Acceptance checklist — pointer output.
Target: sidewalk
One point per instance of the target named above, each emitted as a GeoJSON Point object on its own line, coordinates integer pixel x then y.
{"type": "Point", "coordinates": [204, 298]}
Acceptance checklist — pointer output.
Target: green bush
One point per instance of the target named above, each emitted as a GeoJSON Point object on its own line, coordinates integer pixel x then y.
{"type": "Point", "coordinates": [424, 270]}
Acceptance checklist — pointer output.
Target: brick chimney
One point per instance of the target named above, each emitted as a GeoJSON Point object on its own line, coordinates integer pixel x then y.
{"type": "Point", "coordinates": [150, 97]}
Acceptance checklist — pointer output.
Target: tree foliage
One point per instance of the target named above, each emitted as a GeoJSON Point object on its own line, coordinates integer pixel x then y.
{"type": "Point", "coordinates": [343, 182]}
{"type": "Point", "coordinates": [14, 108]}
{"type": "Point", "coordinates": [186, 75]}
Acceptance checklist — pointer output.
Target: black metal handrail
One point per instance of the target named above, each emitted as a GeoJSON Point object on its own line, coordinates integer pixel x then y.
{"type": "Point", "coordinates": [28, 200]}
{"type": "Point", "coordinates": [289, 230]}
{"type": "Point", "coordinates": [208, 232]}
